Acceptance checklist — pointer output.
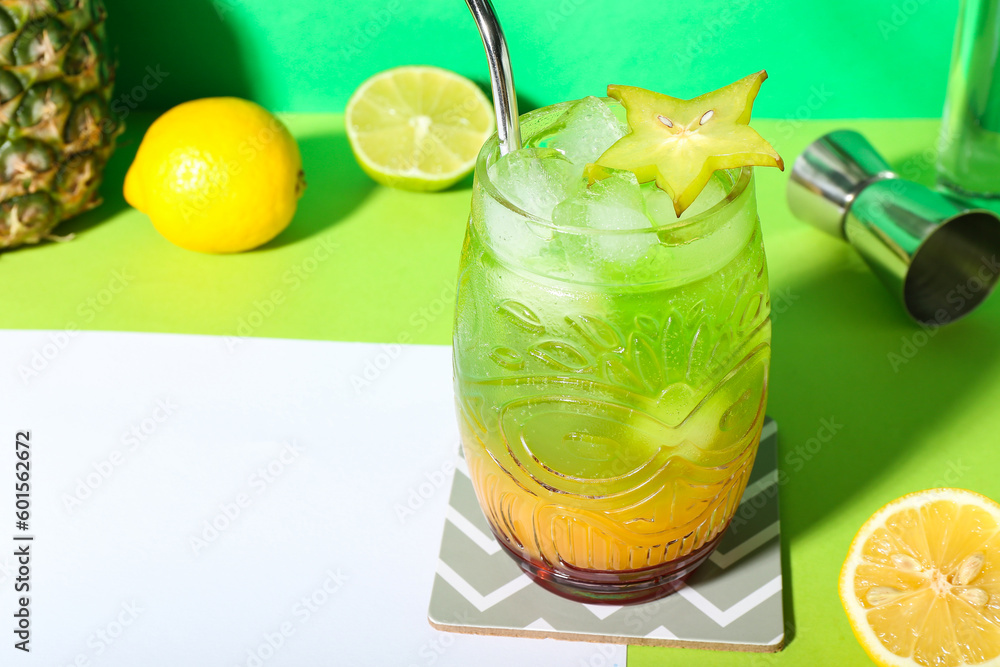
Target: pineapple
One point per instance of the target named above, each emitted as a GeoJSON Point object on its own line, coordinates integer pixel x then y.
{"type": "Point", "coordinates": [56, 129]}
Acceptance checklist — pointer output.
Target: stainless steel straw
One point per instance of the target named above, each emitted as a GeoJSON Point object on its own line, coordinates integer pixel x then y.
{"type": "Point", "coordinates": [501, 77]}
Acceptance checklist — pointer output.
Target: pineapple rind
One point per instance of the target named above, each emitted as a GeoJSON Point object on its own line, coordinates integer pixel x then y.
{"type": "Point", "coordinates": [57, 131]}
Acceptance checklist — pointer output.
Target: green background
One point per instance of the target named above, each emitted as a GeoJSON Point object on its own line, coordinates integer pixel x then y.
{"type": "Point", "coordinates": [827, 59]}
{"type": "Point", "coordinates": [366, 263]}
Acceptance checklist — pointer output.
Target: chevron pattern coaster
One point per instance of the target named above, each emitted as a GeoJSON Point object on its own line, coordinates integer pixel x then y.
{"type": "Point", "coordinates": [732, 602]}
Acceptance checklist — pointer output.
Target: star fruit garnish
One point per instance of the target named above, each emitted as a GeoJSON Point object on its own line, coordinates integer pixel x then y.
{"type": "Point", "coordinates": [681, 143]}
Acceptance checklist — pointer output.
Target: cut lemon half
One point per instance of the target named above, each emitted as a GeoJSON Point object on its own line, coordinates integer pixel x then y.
{"type": "Point", "coordinates": [921, 583]}
{"type": "Point", "coordinates": [418, 128]}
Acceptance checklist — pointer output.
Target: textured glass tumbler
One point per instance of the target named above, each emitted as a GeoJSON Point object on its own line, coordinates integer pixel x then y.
{"type": "Point", "coordinates": [969, 147]}
{"type": "Point", "coordinates": [610, 385]}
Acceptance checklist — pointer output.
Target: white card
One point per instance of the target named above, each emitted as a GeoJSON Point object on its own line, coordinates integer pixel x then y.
{"type": "Point", "coordinates": [269, 503]}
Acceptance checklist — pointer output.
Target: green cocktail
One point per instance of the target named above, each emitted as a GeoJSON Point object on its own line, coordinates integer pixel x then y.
{"type": "Point", "coordinates": [611, 359]}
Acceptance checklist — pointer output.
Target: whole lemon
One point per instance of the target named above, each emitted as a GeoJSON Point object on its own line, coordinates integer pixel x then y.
{"type": "Point", "coordinates": [217, 175]}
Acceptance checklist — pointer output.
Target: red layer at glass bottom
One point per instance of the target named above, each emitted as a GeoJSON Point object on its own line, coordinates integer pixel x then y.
{"type": "Point", "coordinates": [621, 587]}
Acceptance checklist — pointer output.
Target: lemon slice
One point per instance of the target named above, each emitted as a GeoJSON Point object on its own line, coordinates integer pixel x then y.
{"type": "Point", "coordinates": [921, 583]}
{"type": "Point", "coordinates": [418, 128]}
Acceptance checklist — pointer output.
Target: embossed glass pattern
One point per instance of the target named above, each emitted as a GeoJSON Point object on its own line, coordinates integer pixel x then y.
{"type": "Point", "coordinates": [610, 414]}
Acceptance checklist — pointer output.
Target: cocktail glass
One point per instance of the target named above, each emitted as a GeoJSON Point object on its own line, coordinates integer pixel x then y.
{"type": "Point", "coordinates": [610, 383]}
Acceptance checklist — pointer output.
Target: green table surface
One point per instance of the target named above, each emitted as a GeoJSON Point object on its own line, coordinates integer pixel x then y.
{"type": "Point", "coordinates": [366, 263]}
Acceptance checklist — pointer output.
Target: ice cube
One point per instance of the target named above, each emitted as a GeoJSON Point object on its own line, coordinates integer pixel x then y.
{"type": "Point", "coordinates": [612, 205]}
{"type": "Point", "coordinates": [534, 180]}
{"type": "Point", "coordinates": [583, 132]}
{"type": "Point", "coordinates": [660, 207]}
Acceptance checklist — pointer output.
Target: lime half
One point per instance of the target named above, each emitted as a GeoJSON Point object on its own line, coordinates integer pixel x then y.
{"type": "Point", "coordinates": [418, 128]}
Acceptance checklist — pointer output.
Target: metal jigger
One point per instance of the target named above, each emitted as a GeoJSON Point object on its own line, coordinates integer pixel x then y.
{"type": "Point", "coordinates": [939, 257]}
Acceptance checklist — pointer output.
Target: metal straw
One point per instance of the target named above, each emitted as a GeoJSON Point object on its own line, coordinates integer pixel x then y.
{"type": "Point", "coordinates": [501, 77]}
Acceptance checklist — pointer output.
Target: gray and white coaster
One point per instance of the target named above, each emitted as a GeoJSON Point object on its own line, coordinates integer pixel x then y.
{"type": "Point", "coordinates": [732, 602]}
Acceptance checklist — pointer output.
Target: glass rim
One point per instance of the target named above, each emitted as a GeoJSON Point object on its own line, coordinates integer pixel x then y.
{"type": "Point", "coordinates": [741, 181]}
